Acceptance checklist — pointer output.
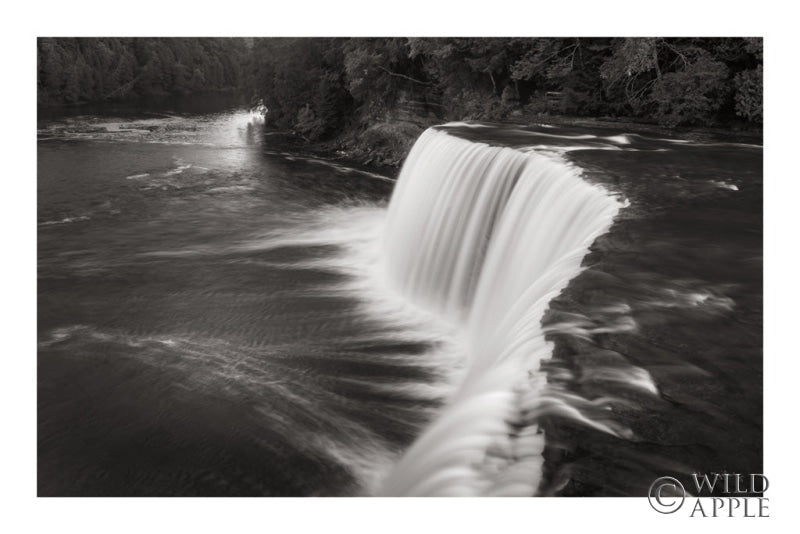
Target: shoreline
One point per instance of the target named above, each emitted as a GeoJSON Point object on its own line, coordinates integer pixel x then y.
{"type": "Point", "coordinates": [348, 145]}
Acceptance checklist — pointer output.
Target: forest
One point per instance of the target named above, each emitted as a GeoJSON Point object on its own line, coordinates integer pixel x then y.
{"type": "Point", "coordinates": [82, 70]}
{"type": "Point", "coordinates": [379, 92]}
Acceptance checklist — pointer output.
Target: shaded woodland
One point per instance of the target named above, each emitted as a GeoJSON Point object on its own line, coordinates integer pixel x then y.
{"type": "Point", "coordinates": [380, 92]}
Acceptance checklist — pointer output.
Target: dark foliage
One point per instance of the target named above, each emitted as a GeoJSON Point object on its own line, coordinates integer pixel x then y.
{"type": "Point", "coordinates": [73, 70]}
{"type": "Point", "coordinates": [318, 85]}
{"type": "Point", "coordinates": [323, 87]}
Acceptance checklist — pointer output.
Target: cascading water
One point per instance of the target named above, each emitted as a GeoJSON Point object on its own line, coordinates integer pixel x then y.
{"type": "Point", "coordinates": [486, 236]}
{"type": "Point", "coordinates": [209, 296]}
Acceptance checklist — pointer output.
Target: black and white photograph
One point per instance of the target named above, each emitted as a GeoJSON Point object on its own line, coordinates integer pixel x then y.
{"type": "Point", "coordinates": [397, 266]}
{"type": "Point", "coordinates": [381, 264]}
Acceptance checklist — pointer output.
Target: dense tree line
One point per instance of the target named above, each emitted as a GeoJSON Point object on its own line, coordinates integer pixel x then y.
{"type": "Point", "coordinates": [322, 87]}
{"type": "Point", "coordinates": [73, 70]}
{"type": "Point", "coordinates": [316, 85]}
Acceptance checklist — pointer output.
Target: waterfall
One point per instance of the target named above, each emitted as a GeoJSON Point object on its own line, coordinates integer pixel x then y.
{"type": "Point", "coordinates": [485, 237]}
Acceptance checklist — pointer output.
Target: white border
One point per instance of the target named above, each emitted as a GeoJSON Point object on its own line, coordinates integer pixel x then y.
{"type": "Point", "coordinates": [23, 512]}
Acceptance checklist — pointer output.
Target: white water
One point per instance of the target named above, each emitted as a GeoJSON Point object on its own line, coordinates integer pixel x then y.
{"type": "Point", "coordinates": [485, 237]}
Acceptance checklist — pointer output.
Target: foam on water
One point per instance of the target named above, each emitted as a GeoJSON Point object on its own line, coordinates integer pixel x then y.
{"type": "Point", "coordinates": [66, 220]}
{"type": "Point", "coordinates": [724, 185]}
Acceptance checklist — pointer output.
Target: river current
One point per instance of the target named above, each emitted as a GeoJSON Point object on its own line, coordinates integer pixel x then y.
{"type": "Point", "coordinates": [216, 315]}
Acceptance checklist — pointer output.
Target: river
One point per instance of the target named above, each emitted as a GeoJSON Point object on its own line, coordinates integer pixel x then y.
{"type": "Point", "coordinates": [215, 315]}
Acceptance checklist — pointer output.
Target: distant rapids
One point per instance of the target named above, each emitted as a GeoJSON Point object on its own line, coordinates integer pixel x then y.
{"type": "Point", "coordinates": [485, 237]}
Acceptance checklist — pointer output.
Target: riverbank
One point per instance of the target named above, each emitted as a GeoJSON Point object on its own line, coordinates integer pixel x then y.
{"type": "Point", "coordinates": [386, 144]}
{"type": "Point", "coordinates": [382, 142]}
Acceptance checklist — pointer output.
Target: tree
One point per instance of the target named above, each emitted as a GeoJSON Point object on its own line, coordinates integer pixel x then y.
{"type": "Point", "coordinates": [750, 94]}
{"type": "Point", "coordinates": [91, 69]}
{"type": "Point", "coordinates": [329, 85]}
{"type": "Point", "coordinates": [692, 95]}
